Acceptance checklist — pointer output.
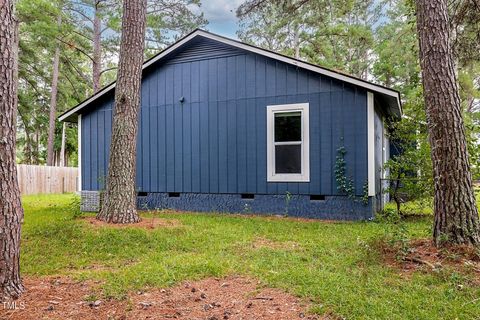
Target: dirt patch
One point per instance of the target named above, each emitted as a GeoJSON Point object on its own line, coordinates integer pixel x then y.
{"type": "Point", "coordinates": [145, 223]}
{"type": "Point", "coordinates": [260, 243]}
{"type": "Point", "coordinates": [212, 299]}
{"type": "Point", "coordinates": [423, 254]}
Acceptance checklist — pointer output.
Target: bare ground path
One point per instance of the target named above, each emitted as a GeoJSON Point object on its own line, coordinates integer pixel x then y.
{"type": "Point", "coordinates": [212, 299]}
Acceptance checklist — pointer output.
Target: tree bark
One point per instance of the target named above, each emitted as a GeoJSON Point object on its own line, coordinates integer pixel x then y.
{"type": "Point", "coordinates": [97, 48]}
{"type": "Point", "coordinates": [11, 212]}
{"type": "Point", "coordinates": [456, 215]}
{"type": "Point", "coordinates": [53, 103]}
{"type": "Point", "coordinates": [120, 199]}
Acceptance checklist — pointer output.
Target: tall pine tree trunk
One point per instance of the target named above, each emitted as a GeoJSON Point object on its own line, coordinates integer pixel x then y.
{"type": "Point", "coordinates": [120, 199]}
{"type": "Point", "coordinates": [97, 48]}
{"type": "Point", "coordinates": [11, 212]}
{"type": "Point", "coordinates": [456, 215]}
{"type": "Point", "coordinates": [53, 103]}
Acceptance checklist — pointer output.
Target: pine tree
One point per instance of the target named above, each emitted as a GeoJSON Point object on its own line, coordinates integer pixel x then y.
{"type": "Point", "coordinates": [456, 214]}
{"type": "Point", "coordinates": [11, 212]}
{"type": "Point", "coordinates": [120, 199]}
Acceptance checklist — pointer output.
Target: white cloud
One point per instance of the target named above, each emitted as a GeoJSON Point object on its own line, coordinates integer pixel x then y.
{"type": "Point", "coordinates": [220, 10]}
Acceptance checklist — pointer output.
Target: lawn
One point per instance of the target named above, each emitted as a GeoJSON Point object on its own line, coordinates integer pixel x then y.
{"type": "Point", "coordinates": [332, 264]}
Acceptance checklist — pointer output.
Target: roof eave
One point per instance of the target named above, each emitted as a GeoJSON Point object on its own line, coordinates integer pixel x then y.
{"type": "Point", "coordinates": [301, 64]}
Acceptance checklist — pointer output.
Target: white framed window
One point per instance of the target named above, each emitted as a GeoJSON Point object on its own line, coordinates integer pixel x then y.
{"type": "Point", "coordinates": [288, 143]}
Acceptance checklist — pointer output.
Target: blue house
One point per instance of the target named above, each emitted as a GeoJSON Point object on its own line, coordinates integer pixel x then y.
{"type": "Point", "coordinates": [229, 127]}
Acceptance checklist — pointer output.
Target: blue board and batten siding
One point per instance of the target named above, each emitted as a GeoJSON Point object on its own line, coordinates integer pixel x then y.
{"type": "Point", "coordinates": [215, 141]}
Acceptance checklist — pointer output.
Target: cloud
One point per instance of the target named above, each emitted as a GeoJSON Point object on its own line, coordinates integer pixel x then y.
{"type": "Point", "coordinates": [220, 10]}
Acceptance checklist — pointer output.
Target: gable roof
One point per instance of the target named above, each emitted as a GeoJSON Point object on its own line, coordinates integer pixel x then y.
{"type": "Point", "coordinates": [390, 96]}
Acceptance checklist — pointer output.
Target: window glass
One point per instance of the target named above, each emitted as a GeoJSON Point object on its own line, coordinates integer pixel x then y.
{"type": "Point", "coordinates": [288, 126]}
{"type": "Point", "coordinates": [288, 158]}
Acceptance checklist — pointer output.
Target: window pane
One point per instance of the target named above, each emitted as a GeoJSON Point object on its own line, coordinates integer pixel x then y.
{"type": "Point", "coordinates": [288, 159]}
{"type": "Point", "coordinates": [288, 126]}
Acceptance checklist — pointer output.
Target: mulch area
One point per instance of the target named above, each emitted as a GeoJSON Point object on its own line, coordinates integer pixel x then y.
{"type": "Point", "coordinates": [209, 299]}
{"type": "Point", "coordinates": [145, 223]}
{"type": "Point", "coordinates": [424, 255]}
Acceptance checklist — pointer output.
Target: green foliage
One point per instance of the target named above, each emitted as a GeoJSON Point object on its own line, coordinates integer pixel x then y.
{"type": "Point", "coordinates": [344, 183]}
{"type": "Point", "coordinates": [397, 66]}
{"type": "Point", "coordinates": [365, 197]}
{"type": "Point", "coordinates": [334, 34]}
{"type": "Point", "coordinates": [74, 206]}
{"type": "Point", "coordinates": [388, 214]}
{"type": "Point", "coordinates": [40, 34]}
{"type": "Point", "coordinates": [333, 264]}
{"type": "Point", "coordinates": [410, 172]}
{"type": "Point", "coordinates": [417, 207]}
{"type": "Point", "coordinates": [396, 235]}
{"type": "Point", "coordinates": [422, 206]}
{"type": "Point", "coordinates": [171, 20]}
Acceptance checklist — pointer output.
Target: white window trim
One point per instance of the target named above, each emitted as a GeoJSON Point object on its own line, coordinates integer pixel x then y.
{"type": "Point", "coordinates": [303, 108]}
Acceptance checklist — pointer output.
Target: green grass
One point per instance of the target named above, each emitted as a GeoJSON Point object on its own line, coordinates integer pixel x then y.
{"type": "Point", "coordinates": [333, 264]}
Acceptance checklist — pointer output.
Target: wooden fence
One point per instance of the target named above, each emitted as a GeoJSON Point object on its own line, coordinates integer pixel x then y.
{"type": "Point", "coordinates": [42, 179]}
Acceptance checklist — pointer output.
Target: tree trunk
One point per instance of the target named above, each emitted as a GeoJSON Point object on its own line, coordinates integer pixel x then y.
{"type": "Point", "coordinates": [27, 149]}
{"type": "Point", "coordinates": [37, 146]}
{"type": "Point", "coordinates": [53, 103]}
{"type": "Point", "coordinates": [297, 42]}
{"type": "Point", "coordinates": [120, 201]}
{"type": "Point", "coordinates": [456, 215]}
{"type": "Point", "coordinates": [11, 212]}
{"type": "Point", "coordinates": [97, 48]}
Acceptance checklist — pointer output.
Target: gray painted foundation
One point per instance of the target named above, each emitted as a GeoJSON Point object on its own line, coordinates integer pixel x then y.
{"type": "Point", "coordinates": [333, 207]}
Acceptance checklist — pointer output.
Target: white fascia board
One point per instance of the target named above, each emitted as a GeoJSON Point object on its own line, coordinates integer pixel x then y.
{"type": "Point", "coordinates": [263, 52]}
{"type": "Point", "coordinates": [83, 104]}
{"type": "Point", "coordinates": [79, 133]}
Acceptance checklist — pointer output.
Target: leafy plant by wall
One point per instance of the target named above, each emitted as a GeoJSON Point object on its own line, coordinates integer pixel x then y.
{"type": "Point", "coordinates": [346, 184]}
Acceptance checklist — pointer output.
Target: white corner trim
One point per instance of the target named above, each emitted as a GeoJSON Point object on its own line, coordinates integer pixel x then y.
{"type": "Point", "coordinates": [371, 143]}
{"type": "Point", "coordinates": [260, 51]}
{"type": "Point", "coordinates": [79, 132]}
{"type": "Point", "coordinates": [288, 177]}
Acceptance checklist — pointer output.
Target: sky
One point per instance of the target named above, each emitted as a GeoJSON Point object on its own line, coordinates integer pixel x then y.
{"type": "Point", "coordinates": [221, 16]}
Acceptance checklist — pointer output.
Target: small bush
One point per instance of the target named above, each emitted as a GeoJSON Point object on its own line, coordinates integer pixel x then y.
{"type": "Point", "coordinates": [74, 206]}
{"type": "Point", "coordinates": [395, 236]}
{"type": "Point", "coordinates": [388, 214]}
{"type": "Point", "coordinates": [419, 207]}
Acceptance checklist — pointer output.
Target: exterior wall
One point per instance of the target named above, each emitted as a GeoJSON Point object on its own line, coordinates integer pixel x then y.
{"type": "Point", "coordinates": [215, 141]}
{"type": "Point", "coordinates": [382, 155]}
